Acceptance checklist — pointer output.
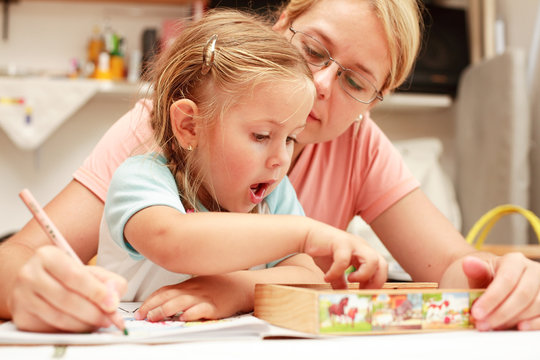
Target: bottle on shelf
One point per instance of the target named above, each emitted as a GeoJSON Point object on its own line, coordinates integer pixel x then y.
{"type": "Point", "coordinates": [103, 70]}
{"type": "Point", "coordinates": [96, 45]}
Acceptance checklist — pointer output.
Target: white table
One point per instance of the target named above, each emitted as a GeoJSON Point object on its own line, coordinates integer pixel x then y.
{"type": "Point", "coordinates": [442, 345]}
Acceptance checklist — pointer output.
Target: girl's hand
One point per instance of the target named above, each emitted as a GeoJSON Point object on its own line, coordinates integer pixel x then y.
{"type": "Point", "coordinates": [512, 297]}
{"type": "Point", "coordinates": [201, 297]}
{"type": "Point", "coordinates": [54, 293]}
{"type": "Point", "coordinates": [335, 251]}
{"type": "Point", "coordinates": [219, 296]}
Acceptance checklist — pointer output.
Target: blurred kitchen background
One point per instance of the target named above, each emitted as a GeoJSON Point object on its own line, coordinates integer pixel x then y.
{"type": "Point", "coordinates": [467, 123]}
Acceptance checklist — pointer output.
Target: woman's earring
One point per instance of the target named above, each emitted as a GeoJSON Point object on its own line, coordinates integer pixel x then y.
{"type": "Point", "coordinates": [359, 118]}
{"type": "Point", "coordinates": [189, 148]}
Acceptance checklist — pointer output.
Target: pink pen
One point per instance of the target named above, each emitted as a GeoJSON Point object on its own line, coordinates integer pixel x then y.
{"type": "Point", "coordinates": [45, 222]}
{"type": "Point", "coordinates": [54, 234]}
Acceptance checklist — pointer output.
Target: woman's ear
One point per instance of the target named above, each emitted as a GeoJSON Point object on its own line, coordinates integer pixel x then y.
{"type": "Point", "coordinates": [282, 24]}
{"type": "Point", "coordinates": [183, 123]}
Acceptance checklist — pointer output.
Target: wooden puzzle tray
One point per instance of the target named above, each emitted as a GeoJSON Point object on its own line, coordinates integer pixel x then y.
{"type": "Point", "coordinates": [397, 308]}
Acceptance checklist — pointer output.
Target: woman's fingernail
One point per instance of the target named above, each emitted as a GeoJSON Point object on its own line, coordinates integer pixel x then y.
{"type": "Point", "coordinates": [524, 325]}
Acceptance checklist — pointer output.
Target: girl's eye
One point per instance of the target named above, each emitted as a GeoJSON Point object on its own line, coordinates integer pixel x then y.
{"type": "Point", "coordinates": [260, 137]}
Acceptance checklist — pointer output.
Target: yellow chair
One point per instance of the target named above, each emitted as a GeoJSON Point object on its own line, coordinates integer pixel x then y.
{"type": "Point", "coordinates": [481, 228]}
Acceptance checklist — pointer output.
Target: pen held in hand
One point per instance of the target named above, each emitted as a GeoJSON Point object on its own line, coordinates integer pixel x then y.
{"type": "Point", "coordinates": [54, 234]}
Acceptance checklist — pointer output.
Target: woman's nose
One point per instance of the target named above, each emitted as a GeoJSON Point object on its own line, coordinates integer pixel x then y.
{"type": "Point", "coordinates": [325, 79]}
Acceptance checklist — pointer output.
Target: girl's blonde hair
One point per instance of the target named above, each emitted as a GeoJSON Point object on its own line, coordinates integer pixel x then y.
{"type": "Point", "coordinates": [402, 22]}
{"type": "Point", "coordinates": [247, 53]}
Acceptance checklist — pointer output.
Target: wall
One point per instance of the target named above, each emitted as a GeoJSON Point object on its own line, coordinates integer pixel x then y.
{"type": "Point", "coordinates": [47, 170]}
{"type": "Point", "coordinates": [46, 35]}
{"type": "Point", "coordinates": [43, 36]}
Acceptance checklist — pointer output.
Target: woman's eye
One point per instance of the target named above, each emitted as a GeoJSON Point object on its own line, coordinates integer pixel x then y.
{"type": "Point", "coordinates": [312, 54]}
{"type": "Point", "coordinates": [353, 83]}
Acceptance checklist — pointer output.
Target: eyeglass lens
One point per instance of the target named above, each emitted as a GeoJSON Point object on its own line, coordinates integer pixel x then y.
{"type": "Point", "coordinates": [316, 54]}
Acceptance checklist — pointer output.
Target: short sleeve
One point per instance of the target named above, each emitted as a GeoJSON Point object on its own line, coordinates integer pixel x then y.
{"type": "Point", "coordinates": [140, 182]}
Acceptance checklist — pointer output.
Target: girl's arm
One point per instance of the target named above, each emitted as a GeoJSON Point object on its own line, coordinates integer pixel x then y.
{"type": "Point", "coordinates": [429, 248]}
{"type": "Point", "coordinates": [206, 243]}
{"type": "Point", "coordinates": [219, 296]}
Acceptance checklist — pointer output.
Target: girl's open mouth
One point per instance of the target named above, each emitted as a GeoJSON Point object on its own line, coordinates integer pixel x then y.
{"type": "Point", "coordinates": [257, 192]}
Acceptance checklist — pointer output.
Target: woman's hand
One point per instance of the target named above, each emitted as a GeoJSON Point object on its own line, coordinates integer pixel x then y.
{"type": "Point", "coordinates": [335, 251]}
{"type": "Point", "coordinates": [512, 296]}
{"type": "Point", "coordinates": [54, 293]}
{"type": "Point", "coordinates": [201, 297]}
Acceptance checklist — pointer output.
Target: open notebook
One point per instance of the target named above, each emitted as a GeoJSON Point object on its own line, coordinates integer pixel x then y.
{"type": "Point", "coordinates": [145, 332]}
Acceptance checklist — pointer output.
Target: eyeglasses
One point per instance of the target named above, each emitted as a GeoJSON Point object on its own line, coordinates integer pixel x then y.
{"type": "Point", "coordinates": [353, 83]}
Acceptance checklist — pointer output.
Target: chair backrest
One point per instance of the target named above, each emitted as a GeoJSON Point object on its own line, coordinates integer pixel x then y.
{"type": "Point", "coordinates": [492, 143]}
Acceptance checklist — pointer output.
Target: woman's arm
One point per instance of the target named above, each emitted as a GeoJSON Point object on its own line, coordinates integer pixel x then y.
{"type": "Point", "coordinates": [43, 289]}
{"type": "Point", "coordinates": [219, 296]}
{"type": "Point", "coordinates": [207, 243]}
{"type": "Point", "coordinates": [419, 237]}
{"type": "Point", "coordinates": [76, 211]}
{"type": "Point", "coordinates": [429, 248]}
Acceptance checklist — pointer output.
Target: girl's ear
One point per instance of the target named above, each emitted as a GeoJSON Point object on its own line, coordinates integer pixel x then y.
{"type": "Point", "coordinates": [183, 123]}
{"type": "Point", "coordinates": [282, 24]}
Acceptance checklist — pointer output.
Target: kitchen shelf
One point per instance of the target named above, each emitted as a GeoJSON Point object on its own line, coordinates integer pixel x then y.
{"type": "Point", "coordinates": [394, 101]}
{"type": "Point", "coordinates": [33, 107]}
{"type": "Point", "coordinates": [414, 102]}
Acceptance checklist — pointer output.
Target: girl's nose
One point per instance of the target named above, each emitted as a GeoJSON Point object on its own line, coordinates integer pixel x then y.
{"type": "Point", "coordinates": [279, 157]}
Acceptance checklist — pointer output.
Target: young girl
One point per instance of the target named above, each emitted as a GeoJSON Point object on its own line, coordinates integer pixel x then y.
{"type": "Point", "coordinates": [230, 98]}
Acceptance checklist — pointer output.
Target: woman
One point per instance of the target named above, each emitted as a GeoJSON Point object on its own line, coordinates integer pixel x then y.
{"type": "Point", "coordinates": [361, 174]}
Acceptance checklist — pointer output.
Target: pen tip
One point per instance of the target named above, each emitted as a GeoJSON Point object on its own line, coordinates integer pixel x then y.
{"type": "Point", "coordinates": [126, 332]}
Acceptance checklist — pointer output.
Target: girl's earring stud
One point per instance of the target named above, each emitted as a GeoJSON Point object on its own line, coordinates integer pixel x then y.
{"type": "Point", "coordinates": [189, 148]}
{"type": "Point", "coordinates": [359, 118]}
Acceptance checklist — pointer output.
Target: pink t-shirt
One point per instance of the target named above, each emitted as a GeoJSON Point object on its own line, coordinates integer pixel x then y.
{"type": "Point", "coordinates": [358, 173]}
{"type": "Point", "coordinates": [130, 135]}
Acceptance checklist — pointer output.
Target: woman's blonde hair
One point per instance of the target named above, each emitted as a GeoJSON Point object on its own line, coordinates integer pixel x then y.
{"type": "Point", "coordinates": [247, 53]}
{"type": "Point", "coordinates": [402, 22]}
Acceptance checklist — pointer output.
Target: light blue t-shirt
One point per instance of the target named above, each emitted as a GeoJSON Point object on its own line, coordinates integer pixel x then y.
{"type": "Point", "coordinates": [143, 181]}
